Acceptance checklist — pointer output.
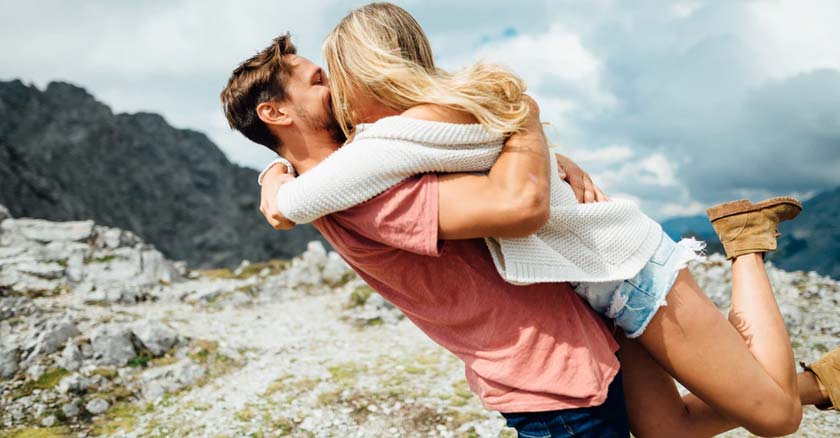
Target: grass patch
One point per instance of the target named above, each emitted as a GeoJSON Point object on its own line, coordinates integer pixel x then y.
{"type": "Point", "coordinates": [139, 361]}
{"type": "Point", "coordinates": [206, 353]}
{"type": "Point", "coordinates": [202, 349]}
{"type": "Point", "coordinates": [37, 432]}
{"type": "Point", "coordinates": [102, 259]}
{"type": "Point", "coordinates": [115, 395]}
{"type": "Point", "coordinates": [59, 262]}
{"type": "Point", "coordinates": [245, 415]}
{"type": "Point", "coordinates": [223, 273]}
{"type": "Point", "coordinates": [106, 372]}
{"type": "Point", "coordinates": [329, 398]}
{"type": "Point", "coordinates": [275, 266]}
{"type": "Point", "coordinates": [50, 379]}
{"type": "Point", "coordinates": [119, 418]}
{"type": "Point", "coordinates": [359, 296]}
{"type": "Point", "coordinates": [462, 390]}
{"type": "Point", "coordinates": [278, 385]}
{"type": "Point", "coordinates": [344, 373]}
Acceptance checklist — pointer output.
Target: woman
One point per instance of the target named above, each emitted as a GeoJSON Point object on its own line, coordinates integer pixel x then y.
{"type": "Point", "coordinates": [740, 371]}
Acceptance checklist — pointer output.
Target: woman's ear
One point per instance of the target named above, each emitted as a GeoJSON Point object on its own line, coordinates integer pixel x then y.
{"type": "Point", "coordinates": [274, 113]}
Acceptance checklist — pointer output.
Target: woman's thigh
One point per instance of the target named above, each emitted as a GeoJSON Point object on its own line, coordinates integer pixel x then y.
{"type": "Point", "coordinates": [692, 341]}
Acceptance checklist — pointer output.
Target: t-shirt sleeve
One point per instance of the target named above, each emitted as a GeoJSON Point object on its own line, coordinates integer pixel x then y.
{"type": "Point", "coordinates": [404, 217]}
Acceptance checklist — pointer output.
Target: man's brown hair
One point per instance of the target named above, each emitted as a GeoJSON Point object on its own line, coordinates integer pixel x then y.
{"type": "Point", "coordinates": [261, 78]}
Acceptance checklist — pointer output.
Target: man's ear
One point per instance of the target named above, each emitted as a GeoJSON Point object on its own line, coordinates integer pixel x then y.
{"type": "Point", "coordinates": [274, 113]}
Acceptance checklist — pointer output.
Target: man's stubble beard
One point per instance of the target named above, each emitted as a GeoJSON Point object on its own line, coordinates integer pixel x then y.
{"type": "Point", "coordinates": [323, 123]}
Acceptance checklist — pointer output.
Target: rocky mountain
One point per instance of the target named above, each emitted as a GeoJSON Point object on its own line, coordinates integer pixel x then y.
{"type": "Point", "coordinates": [66, 156]}
{"type": "Point", "coordinates": [811, 242]}
{"type": "Point", "coordinates": [102, 336]}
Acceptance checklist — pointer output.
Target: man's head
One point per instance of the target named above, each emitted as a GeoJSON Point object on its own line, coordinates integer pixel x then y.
{"type": "Point", "coordinates": [276, 96]}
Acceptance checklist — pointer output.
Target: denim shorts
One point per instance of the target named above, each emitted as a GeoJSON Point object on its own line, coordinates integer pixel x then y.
{"type": "Point", "coordinates": [632, 303]}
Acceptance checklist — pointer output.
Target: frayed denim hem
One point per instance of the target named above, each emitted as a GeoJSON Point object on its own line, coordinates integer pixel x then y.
{"type": "Point", "coordinates": [688, 250]}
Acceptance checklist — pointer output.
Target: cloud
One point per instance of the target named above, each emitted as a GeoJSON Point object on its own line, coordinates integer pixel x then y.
{"type": "Point", "coordinates": [676, 106]}
{"type": "Point", "coordinates": [709, 101]}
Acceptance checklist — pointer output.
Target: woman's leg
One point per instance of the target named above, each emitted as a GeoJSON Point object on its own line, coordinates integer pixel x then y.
{"type": "Point", "coordinates": [746, 375]}
{"type": "Point", "coordinates": [656, 408]}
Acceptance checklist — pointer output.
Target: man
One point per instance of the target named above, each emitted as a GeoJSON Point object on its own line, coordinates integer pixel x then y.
{"type": "Point", "coordinates": [536, 353]}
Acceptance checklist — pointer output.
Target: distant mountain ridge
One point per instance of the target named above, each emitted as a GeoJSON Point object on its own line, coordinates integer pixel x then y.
{"type": "Point", "coordinates": [811, 242]}
{"type": "Point", "coordinates": [65, 156]}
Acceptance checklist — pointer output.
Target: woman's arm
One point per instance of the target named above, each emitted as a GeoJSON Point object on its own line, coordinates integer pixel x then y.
{"type": "Point", "coordinates": [512, 200]}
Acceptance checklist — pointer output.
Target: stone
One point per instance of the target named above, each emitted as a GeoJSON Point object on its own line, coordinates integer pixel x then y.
{"type": "Point", "coordinates": [335, 268]}
{"type": "Point", "coordinates": [73, 383]}
{"type": "Point", "coordinates": [35, 371]}
{"type": "Point", "coordinates": [53, 337]}
{"type": "Point", "coordinates": [71, 357]}
{"type": "Point", "coordinates": [315, 254]}
{"type": "Point", "coordinates": [49, 421]}
{"type": "Point", "coordinates": [156, 269]}
{"type": "Point", "coordinates": [45, 270]}
{"type": "Point", "coordinates": [8, 362]}
{"type": "Point", "coordinates": [156, 336]}
{"type": "Point", "coordinates": [44, 231]}
{"type": "Point", "coordinates": [4, 213]}
{"type": "Point", "coordinates": [70, 409]}
{"type": "Point", "coordinates": [75, 267]}
{"type": "Point", "coordinates": [152, 390]}
{"type": "Point", "coordinates": [97, 406]}
{"type": "Point", "coordinates": [112, 344]}
{"type": "Point", "coordinates": [158, 381]}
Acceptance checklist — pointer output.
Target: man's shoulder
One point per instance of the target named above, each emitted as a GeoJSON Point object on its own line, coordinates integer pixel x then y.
{"type": "Point", "coordinates": [404, 217]}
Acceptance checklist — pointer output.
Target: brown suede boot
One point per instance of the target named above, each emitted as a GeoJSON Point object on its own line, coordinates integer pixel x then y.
{"type": "Point", "coordinates": [744, 227]}
{"type": "Point", "coordinates": [827, 371]}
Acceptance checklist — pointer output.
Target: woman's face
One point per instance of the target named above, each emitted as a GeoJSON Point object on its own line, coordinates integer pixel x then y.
{"type": "Point", "coordinates": [365, 108]}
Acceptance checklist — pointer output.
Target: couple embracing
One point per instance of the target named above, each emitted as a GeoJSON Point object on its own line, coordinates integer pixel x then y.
{"type": "Point", "coordinates": [573, 313]}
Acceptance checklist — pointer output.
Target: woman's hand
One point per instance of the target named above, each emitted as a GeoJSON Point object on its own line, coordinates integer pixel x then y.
{"type": "Point", "coordinates": [274, 178]}
{"type": "Point", "coordinates": [585, 190]}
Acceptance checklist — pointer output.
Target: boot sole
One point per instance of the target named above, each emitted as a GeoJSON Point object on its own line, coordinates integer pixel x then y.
{"type": "Point", "coordinates": [743, 206]}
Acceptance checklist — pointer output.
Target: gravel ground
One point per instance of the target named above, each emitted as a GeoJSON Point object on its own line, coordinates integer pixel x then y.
{"type": "Point", "coordinates": [101, 336]}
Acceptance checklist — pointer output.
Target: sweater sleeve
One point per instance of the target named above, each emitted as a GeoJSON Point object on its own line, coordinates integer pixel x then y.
{"type": "Point", "coordinates": [367, 167]}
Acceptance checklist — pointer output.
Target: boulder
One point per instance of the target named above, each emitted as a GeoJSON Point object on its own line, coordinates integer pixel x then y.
{"type": "Point", "coordinates": [53, 337]}
{"type": "Point", "coordinates": [4, 213]}
{"type": "Point", "coordinates": [71, 357]}
{"type": "Point", "coordinates": [45, 270]}
{"type": "Point", "coordinates": [156, 336]}
{"type": "Point", "coordinates": [112, 344]}
{"type": "Point", "coordinates": [43, 231]}
{"type": "Point", "coordinates": [8, 362]}
{"type": "Point", "coordinates": [74, 383]}
{"type": "Point", "coordinates": [70, 409]}
{"type": "Point", "coordinates": [97, 406]}
{"type": "Point", "coordinates": [158, 381]}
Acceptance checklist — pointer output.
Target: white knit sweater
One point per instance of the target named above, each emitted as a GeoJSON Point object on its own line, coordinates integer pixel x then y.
{"type": "Point", "coordinates": [596, 242]}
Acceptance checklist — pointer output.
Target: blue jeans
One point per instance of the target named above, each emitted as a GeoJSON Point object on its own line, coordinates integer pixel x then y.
{"type": "Point", "coordinates": [608, 420]}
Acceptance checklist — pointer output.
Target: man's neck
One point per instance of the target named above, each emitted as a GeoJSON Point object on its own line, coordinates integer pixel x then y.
{"type": "Point", "coordinates": [306, 152]}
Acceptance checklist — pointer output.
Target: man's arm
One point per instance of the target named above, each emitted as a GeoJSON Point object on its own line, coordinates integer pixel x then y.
{"type": "Point", "coordinates": [512, 200]}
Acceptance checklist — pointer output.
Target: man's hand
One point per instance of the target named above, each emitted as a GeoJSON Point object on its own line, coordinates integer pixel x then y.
{"type": "Point", "coordinates": [585, 190]}
{"type": "Point", "coordinates": [274, 178]}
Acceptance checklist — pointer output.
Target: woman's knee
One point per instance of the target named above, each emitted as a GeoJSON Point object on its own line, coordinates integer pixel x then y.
{"type": "Point", "coordinates": [778, 419]}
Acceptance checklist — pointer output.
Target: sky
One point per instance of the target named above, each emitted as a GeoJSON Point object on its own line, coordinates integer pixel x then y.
{"type": "Point", "coordinates": [676, 105]}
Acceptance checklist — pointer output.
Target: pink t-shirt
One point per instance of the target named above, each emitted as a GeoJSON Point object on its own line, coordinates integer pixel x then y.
{"type": "Point", "coordinates": [525, 348]}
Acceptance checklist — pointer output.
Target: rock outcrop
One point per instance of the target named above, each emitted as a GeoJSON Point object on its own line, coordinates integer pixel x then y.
{"type": "Point", "coordinates": [65, 156]}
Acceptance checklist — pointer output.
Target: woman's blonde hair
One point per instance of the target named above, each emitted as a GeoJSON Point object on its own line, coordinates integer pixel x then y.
{"type": "Point", "coordinates": [380, 49]}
